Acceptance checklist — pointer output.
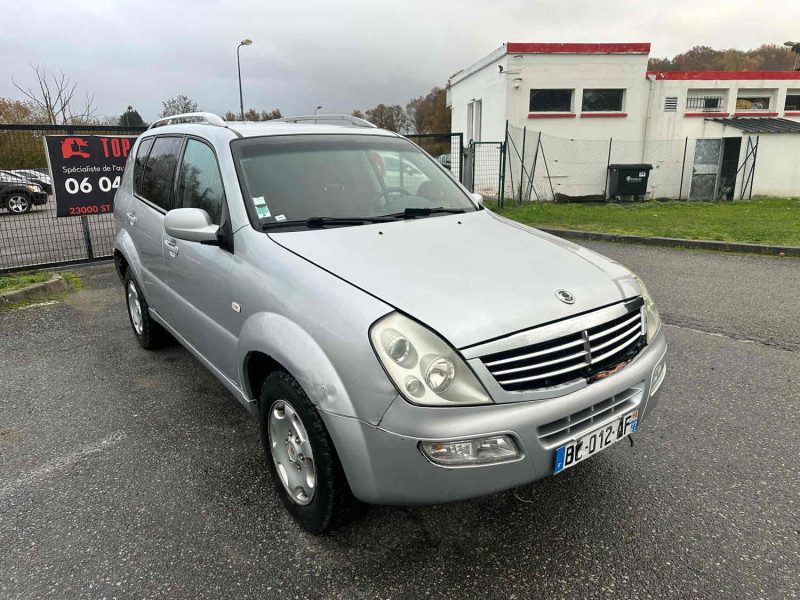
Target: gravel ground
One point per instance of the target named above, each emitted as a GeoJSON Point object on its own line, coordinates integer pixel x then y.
{"type": "Point", "coordinates": [131, 474]}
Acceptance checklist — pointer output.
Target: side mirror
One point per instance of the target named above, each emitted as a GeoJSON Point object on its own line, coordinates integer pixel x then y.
{"type": "Point", "coordinates": [190, 224]}
{"type": "Point", "coordinates": [476, 197]}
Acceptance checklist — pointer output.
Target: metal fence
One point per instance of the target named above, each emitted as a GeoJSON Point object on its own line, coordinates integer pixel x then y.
{"type": "Point", "coordinates": [38, 238]}
{"type": "Point", "coordinates": [447, 148]}
{"type": "Point", "coordinates": [533, 166]}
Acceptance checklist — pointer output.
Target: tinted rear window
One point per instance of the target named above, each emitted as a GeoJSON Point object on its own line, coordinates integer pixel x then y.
{"type": "Point", "coordinates": [141, 157]}
{"type": "Point", "coordinates": [159, 171]}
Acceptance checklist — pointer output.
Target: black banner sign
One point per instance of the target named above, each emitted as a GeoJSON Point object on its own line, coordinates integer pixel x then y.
{"type": "Point", "coordinates": [86, 171]}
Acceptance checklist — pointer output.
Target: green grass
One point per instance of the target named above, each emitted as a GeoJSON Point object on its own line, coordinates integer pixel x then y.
{"type": "Point", "coordinates": [15, 281]}
{"type": "Point", "coordinates": [758, 221]}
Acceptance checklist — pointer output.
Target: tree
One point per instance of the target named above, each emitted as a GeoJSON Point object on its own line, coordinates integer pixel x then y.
{"type": "Point", "coordinates": [429, 113]}
{"type": "Point", "coordinates": [178, 105]}
{"type": "Point", "coordinates": [131, 118]}
{"type": "Point", "coordinates": [358, 113]}
{"type": "Point", "coordinates": [767, 57]}
{"type": "Point", "coordinates": [55, 98]}
{"type": "Point", "coordinates": [391, 117]}
{"type": "Point", "coordinates": [17, 111]}
{"type": "Point", "coordinates": [253, 115]}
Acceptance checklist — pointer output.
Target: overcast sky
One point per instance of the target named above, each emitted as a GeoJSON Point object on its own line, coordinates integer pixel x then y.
{"type": "Point", "coordinates": [342, 54]}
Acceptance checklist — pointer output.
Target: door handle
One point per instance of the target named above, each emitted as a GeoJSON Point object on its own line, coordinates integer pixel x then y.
{"type": "Point", "coordinates": [172, 247]}
{"type": "Point", "coordinates": [131, 218]}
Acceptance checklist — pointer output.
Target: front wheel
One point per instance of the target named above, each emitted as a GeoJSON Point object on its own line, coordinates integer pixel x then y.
{"type": "Point", "coordinates": [305, 467]}
{"type": "Point", "coordinates": [18, 204]}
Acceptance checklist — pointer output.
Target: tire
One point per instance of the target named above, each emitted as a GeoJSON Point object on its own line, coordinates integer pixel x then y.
{"type": "Point", "coordinates": [18, 203]}
{"type": "Point", "coordinates": [149, 334]}
{"type": "Point", "coordinates": [286, 412]}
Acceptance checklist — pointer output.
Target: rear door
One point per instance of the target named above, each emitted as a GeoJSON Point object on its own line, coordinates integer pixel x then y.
{"type": "Point", "coordinates": [154, 174]}
{"type": "Point", "coordinates": [200, 277]}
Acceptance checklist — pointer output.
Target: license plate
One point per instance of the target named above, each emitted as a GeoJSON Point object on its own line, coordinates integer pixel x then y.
{"type": "Point", "coordinates": [590, 444]}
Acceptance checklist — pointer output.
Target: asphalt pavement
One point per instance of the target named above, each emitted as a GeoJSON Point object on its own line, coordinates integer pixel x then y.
{"type": "Point", "coordinates": [131, 474]}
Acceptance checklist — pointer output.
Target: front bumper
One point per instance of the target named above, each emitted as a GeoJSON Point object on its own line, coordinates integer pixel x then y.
{"type": "Point", "coordinates": [385, 466]}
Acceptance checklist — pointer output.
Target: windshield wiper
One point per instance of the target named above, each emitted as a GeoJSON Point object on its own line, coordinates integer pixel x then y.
{"type": "Point", "coordinates": [413, 212]}
{"type": "Point", "coordinates": [321, 222]}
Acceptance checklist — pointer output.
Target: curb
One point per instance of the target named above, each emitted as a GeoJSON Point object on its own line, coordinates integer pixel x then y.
{"type": "Point", "coordinates": [54, 285]}
{"type": "Point", "coordinates": [793, 251]}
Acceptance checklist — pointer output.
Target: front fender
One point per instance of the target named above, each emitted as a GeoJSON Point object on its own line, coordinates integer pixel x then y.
{"type": "Point", "coordinates": [299, 353]}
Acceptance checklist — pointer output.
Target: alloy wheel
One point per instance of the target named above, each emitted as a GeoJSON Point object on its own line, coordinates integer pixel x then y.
{"type": "Point", "coordinates": [291, 452]}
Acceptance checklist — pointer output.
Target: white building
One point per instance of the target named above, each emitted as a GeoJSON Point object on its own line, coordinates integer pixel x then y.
{"type": "Point", "coordinates": [591, 91]}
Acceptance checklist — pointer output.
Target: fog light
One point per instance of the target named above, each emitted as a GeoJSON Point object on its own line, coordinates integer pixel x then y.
{"type": "Point", "coordinates": [479, 451]}
{"type": "Point", "coordinates": [659, 373]}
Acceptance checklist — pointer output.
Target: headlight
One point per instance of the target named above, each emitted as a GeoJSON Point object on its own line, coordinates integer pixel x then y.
{"type": "Point", "coordinates": [422, 366]}
{"type": "Point", "coordinates": [652, 318]}
{"type": "Point", "coordinates": [31, 187]}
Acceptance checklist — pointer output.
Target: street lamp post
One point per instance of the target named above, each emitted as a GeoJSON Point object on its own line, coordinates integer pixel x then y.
{"type": "Point", "coordinates": [244, 42]}
{"type": "Point", "coordinates": [316, 109]}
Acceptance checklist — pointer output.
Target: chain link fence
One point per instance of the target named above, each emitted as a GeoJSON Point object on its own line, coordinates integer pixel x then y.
{"type": "Point", "coordinates": [541, 167]}
{"type": "Point", "coordinates": [444, 147]}
{"type": "Point", "coordinates": [30, 234]}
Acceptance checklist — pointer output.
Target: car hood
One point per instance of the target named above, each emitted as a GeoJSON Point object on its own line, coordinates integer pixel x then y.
{"type": "Point", "coordinates": [470, 277]}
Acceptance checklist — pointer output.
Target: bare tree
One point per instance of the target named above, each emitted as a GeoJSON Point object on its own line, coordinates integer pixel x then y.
{"type": "Point", "coordinates": [55, 98]}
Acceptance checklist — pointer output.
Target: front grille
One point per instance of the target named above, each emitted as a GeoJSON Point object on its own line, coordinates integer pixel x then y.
{"type": "Point", "coordinates": [558, 432]}
{"type": "Point", "coordinates": [589, 354]}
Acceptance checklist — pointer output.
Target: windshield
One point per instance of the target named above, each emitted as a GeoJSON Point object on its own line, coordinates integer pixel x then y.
{"type": "Point", "coordinates": [295, 178]}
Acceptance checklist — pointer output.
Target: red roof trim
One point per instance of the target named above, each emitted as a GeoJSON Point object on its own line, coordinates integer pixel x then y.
{"type": "Point", "coordinates": [577, 48]}
{"type": "Point", "coordinates": [791, 113]}
{"type": "Point", "coordinates": [725, 75]}
{"type": "Point", "coordinates": [550, 115]}
{"type": "Point", "coordinates": [755, 114]}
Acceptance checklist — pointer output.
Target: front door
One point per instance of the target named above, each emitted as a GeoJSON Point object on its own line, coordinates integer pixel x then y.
{"type": "Point", "coordinates": [705, 170]}
{"type": "Point", "coordinates": [199, 276]}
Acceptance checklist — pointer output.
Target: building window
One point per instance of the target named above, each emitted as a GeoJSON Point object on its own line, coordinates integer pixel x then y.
{"type": "Point", "coordinates": [705, 103]}
{"type": "Point", "coordinates": [792, 102]}
{"type": "Point", "coordinates": [602, 100]}
{"type": "Point", "coordinates": [477, 118]}
{"type": "Point", "coordinates": [753, 103]}
{"type": "Point", "coordinates": [671, 104]}
{"type": "Point", "coordinates": [550, 101]}
{"type": "Point", "coordinates": [470, 117]}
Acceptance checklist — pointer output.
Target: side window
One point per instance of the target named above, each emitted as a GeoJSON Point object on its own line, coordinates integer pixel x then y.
{"type": "Point", "coordinates": [138, 166]}
{"type": "Point", "coordinates": [199, 181]}
{"type": "Point", "coordinates": [159, 171]}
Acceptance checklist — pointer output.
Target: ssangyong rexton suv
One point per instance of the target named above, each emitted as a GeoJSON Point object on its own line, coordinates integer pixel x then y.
{"type": "Point", "coordinates": [398, 342]}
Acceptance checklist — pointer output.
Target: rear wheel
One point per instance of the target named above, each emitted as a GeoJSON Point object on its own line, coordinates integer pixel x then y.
{"type": "Point", "coordinates": [18, 204]}
{"type": "Point", "coordinates": [305, 468]}
{"type": "Point", "coordinates": [149, 334]}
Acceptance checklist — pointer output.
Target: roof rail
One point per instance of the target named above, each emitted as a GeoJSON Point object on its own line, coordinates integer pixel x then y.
{"type": "Point", "coordinates": [195, 117]}
{"type": "Point", "coordinates": [347, 120]}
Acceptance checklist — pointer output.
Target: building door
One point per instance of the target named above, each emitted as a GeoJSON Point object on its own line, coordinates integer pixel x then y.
{"type": "Point", "coordinates": [706, 168]}
{"type": "Point", "coordinates": [731, 149]}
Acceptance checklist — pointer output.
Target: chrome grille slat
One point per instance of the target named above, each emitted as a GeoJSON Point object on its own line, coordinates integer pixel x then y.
{"type": "Point", "coordinates": [534, 354]}
{"type": "Point", "coordinates": [605, 332]}
{"type": "Point", "coordinates": [542, 364]}
{"type": "Point", "coordinates": [544, 375]}
{"type": "Point", "coordinates": [622, 346]}
{"type": "Point", "coordinates": [636, 328]}
{"type": "Point", "coordinates": [582, 354]}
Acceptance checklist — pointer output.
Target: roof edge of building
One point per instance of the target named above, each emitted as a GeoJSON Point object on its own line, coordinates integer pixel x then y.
{"type": "Point", "coordinates": [724, 75]}
{"type": "Point", "coordinates": [494, 55]}
{"type": "Point", "coordinates": [578, 48]}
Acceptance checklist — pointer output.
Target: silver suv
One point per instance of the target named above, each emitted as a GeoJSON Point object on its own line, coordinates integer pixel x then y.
{"type": "Point", "coordinates": [398, 342]}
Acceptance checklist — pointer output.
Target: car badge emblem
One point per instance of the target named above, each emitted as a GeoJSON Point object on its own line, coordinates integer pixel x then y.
{"type": "Point", "coordinates": [565, 296]}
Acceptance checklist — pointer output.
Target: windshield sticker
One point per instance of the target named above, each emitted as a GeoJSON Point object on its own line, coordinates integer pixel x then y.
{"type": "Point", "coordinates": [280, 218]}
{"type": "Point", "coordinates": [262, 210]}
